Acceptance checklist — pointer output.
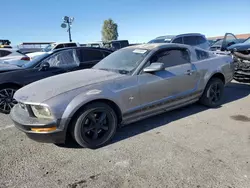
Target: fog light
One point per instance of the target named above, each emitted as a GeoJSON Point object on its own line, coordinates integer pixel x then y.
{"type": "Point", "coordinates": [38, 130]}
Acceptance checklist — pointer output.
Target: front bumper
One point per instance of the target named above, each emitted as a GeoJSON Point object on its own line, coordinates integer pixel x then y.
{"type": "Point", "coordinates": [25, 123]}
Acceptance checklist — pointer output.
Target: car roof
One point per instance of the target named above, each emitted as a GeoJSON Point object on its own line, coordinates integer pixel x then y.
{"type": "Point", "coordinates": [81, 47]}
{"type": "Point", "coordinates": [152, 46]}
{"type": "Point", "coordinates": [179, 35]}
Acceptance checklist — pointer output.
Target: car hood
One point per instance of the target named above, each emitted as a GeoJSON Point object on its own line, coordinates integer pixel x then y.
{"type": "Point", "coordinates": [239, 47]}
{"type": "Point", "coordinates": [42, 90]}
{"type": "Point", "coordinates": [8, 67]}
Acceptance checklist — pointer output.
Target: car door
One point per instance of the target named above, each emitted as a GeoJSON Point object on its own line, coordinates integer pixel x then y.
{"type": "Point", "coordinates": [59, 62]}
{"type": "Point", "coordinates": [89, 57]}
{"type": "Point", "coordinates": [178, 79]}
{"type": "Point", "coordinates": [228, 40]}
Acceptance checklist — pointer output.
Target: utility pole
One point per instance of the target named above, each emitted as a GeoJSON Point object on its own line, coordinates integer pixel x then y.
{"type": "Point", "coordinates": [67, 22]}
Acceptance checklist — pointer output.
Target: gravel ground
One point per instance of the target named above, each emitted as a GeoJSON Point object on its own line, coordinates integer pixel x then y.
{"type": "Point", "coordinates": [190, 147]}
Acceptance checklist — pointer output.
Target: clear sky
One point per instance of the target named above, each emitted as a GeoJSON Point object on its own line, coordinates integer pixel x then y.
{"type": "Point", "coordinates": [138, 20]}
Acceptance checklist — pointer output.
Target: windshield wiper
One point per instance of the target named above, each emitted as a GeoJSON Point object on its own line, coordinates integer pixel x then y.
{"type": "Point", "coordinates": [123, 71]}
{"type": "Point", "coordinates": [116, 70]}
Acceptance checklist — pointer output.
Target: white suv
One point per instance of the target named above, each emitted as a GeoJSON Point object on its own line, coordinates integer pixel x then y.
{"type": "Point", "coordinates": [192, 39]}
{"type": "Point", "coordinates": [54, 46]}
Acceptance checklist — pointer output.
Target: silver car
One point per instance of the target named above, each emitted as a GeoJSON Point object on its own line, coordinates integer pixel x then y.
{"type": "Point", "coordinates": [130, 84]}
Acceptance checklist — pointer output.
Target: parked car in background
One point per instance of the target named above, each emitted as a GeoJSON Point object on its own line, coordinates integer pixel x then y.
{"type": "Point", "coordinates": [212, 41]}
{"type": "Point", "coordinates": [242, 45]}
{"type": "Point", "coordinates": [130, 84]}
{"type": "Point", "coordinates": [193, 39]}
{"type": "Point", "coordinates": [13, 77]}
{"type": "Point", "coordinates": [228, 39]}
{"type": "Point", "coordinates": [55, 46]}
{"type": "Point", "coordinates": [13, 56]}
{"type": "Point", "coordinates": [4, 43]}
{"type": "Point", "coordinates": [241, 55]}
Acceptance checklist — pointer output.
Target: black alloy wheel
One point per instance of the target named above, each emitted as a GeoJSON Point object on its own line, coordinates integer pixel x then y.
{"type": "Point", "coordinates": [6, 99]}
{"type": "Point", "coordinates": [95, 125]}
{"type": "Point", "coordinates": [213, 94]}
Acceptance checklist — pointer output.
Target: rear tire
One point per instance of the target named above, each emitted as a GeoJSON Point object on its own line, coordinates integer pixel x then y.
{"type": "Point", "coordinates": [213, 94]}
{"type": "Point", "coordinates": [94, 126]}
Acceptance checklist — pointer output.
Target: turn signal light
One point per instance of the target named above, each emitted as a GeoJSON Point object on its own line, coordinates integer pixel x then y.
{"type": "Point", "coordinates": [39, 130]}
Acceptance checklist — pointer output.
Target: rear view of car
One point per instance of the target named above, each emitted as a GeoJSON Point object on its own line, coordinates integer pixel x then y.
{"type": "Point", "coordinates": [15, 57]}
{"type": "Point", "coordinates": [192, 39]}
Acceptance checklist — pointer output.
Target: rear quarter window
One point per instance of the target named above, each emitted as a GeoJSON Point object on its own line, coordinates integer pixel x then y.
{"type": "Point", "coordinates": [89, 55]}
{"type": "Point", "coordinates": [201, 55]}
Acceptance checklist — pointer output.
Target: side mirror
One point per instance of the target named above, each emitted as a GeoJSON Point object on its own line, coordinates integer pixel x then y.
{"type": "Point", "coordinates": [44, 66]}
{"type": "Point", "coordinates": [154, 67]}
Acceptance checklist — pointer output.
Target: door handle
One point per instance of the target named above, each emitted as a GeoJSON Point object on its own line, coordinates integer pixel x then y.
{"type": "Point", "coordinates": [189, 72]}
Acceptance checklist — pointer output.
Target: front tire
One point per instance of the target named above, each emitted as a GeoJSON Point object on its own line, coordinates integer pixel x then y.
{"type": "Point", "coordinates": [6, 99]}
{"type": "Point", "coordinates": [213, 94]}
{"type": "Point", "coordinates": [94, 125]}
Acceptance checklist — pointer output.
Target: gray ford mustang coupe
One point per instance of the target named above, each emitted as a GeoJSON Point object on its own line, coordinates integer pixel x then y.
{"type": "Point", "coordinates": [130, 84]}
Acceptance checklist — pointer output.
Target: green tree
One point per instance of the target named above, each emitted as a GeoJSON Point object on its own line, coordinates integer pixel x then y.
{"type": "Point", "coordinates": [109, 30]}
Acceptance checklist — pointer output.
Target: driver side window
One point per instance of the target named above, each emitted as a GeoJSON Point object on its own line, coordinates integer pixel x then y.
{"type": "Point", "coordinates": [171, 57]}
{"type": "Point", "coordinates": [65, 58]}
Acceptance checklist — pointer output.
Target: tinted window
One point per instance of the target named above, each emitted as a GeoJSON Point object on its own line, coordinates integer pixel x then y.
{"type": "Point", "coordinates": [4, 53]}
{"type": "Point", "coordinates": [178, 40]}
{"type": "Point", "coordinates": [201, 40]}
{"type": "Point", "coordinates": [89, 55]}
{"type": "Point", "coordinates": [124, 43]}
{"type": "Point", "coordinates": [70, 45]}
{"type": "Point", "coordinates": [64, 58]}
{"type": "Point", "coordinates": [190, 40]}
{"type": "Point", "coordinates": [59, 46]}
{"type": "Point", "coordinates": [201, 54]}
{"type": "Point", "coordinates": [116, 45]}
{"type": "Point", "coordinates": [106, 53]}
{"type": "Point", "coordinates": [172, 57]}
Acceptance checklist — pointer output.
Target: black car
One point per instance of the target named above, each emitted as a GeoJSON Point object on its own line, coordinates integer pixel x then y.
{"type": "Point", "coordinates": [13, 77]}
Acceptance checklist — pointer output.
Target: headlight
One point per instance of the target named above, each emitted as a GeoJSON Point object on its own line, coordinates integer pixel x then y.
{"type": "Point", "coordinates": [41, 112]}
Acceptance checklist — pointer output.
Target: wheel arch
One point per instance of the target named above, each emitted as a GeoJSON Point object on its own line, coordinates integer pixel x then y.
{"type": "Point", "coordinates": [10, 84]}
{"type": "Point", "coordinates": [218, 75]}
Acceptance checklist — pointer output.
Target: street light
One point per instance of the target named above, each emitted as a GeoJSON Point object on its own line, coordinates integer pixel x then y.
{"type": "Point", "coordinates": [67, 21]}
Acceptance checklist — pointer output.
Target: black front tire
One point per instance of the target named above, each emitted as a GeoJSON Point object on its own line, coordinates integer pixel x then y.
{"type": "Point", "coordinates": [82, 122]}
{"type": "Point", "coordinates": [6, 98]}
{"type": "Point", "coordinates": [207, 97]}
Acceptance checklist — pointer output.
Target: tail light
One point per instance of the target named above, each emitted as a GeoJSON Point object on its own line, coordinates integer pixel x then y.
{"type": "Point", "coordinates": [26, 58]}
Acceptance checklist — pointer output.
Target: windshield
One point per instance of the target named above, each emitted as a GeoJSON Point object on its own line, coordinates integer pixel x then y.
{"type": "Point", "coordinates": [123, 61]}
{"type": "Point", "coordinates": [34, 60]}
{"type": "Point", "coordinates": [48, 48]}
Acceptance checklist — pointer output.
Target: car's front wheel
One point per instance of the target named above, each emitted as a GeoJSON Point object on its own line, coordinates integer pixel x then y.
{"type": "Point", "coordinates": [213, 94]}
{"type": "Point", "coordinates": [94, 125]}
{"type": "Point", "coordinates": [6, 99]}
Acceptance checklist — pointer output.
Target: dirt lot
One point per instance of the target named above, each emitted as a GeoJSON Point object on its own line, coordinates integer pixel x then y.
{"type": "Point", "coordinates": [190, 147]}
